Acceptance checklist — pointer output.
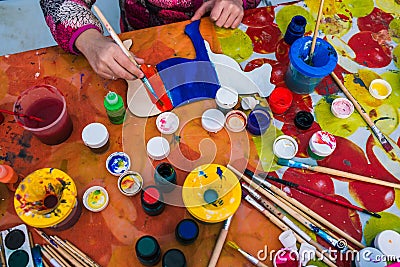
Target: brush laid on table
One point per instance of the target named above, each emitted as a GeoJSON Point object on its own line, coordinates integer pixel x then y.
{"type": "Point", "coordinates": [321, 195]}
{"type": "Point", "coordinates": [299, 165]}
{"type": "Point", "coordinates": [249, 257]}
{"type": "Point", "coordinates": [220, 242]}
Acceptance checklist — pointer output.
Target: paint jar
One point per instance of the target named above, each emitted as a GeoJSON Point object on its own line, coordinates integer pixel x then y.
{"type": "Point", "coordinates": [342, 108]}
{"type": "Point", "coordinates": [235, 121]}
{"type": "Point", "coordinates": [152, 200]}
{"type": "Point", "coordinates": [388, 242]}
{"type": "Point", "coordinates": [213, 120]}
{"type": "Point", "coordinates": [285, 147]}
{"type": "Point", "coordinates": [249, 102]}
{"type": "Point", "coordinates": [48, 104]}
{"type": "Point", "coordinates": [174, 258]}
{"type": "Point", "coordinates": [380, 89]}
{"type": "Point", "coordinates": [95, 198]}
{"type": "Point", "coordinates": [303, 120]}
{"type": "Point", "coordinates": [165, 177]}
{"type": "Point", "coordinates": [167, 123]}
{"type": "Point", "coordinates": [118, 163]}
{"type": "Point", "coordinates": [148, 250]}
{"type": "Point", "coordinates": [158, 148]}
{"type": "Point", "coordinates": [258, 121]}
{"type": "Point", "coordinates": [130, 183]}
{"type": "Point", "coordinates": [286, 257]}
{"type": "Point", "coordinates": [226, 99]}
{"type": "Point", "coordinates": [115, 108]}
{"type": "Point", "coordinates": [295, 29]}
{"type": "Point", "coordinates": [96, 137]}
{"type": "Point", "coordinates": [280, 100]}
{"type": "Point", "coordinates": [8, 176]}
{"type": "Point", "coordinates": [302, 77]}
{"type": "Point", "coordinates": [187, 231]}
{"type": "Point", "coordinates": [369, 257]}
{"type": "Point", "coordinates": [321, 145]}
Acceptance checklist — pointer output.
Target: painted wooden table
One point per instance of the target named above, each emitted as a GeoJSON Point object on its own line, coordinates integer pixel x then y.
{"type": "Point", "coordinates": [109, 236]}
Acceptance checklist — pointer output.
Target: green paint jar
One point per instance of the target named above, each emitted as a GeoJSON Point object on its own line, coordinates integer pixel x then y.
{"type": "Point", "coordinates": [114, 107]}
{"type": "Point", "coordinates": [148, 250]}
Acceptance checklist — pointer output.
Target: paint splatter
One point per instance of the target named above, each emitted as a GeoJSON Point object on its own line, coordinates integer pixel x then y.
{"type": "Point", "coordinates": [235, 43]}
{"type": "Point", "coordinates": [202, 173]}
{"type": "Point", "coordinates": [285, 15]}
{"type": "Point", "coordinates": [359, 8]}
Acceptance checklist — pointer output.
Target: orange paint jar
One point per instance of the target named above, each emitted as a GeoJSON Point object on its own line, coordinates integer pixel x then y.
{"type": "Point", "coordinates": [8, 176]}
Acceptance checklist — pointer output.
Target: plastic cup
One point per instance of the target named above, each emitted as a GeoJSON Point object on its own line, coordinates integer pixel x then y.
{"type": "Point", "coordinates": [302, 77]}
{"type": "Point", "coordinates": [47, 103]}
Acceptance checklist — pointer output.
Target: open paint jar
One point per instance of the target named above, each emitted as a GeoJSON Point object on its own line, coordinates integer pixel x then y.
{"type": "Point", "coordinates": [342, 108]}
{"type": "Point", "coordinates": [235, 121]}
{"type": "Point", "coordinates": [165, 177]}
{"type": "Point", "coordinates": [321, 145]}
{"type": "Point", "coordinates": [130, 183]}
{"type": "Point", "coordinates": [167, 123]}
{"type": "Point", "coordinates": [118, 163]}
{"type": "Point", "coordinates": [380, 89]}
{"type": "Point", "coordinates": [95, 198]}
{"type": "Point", "coordinates": [285, 147]}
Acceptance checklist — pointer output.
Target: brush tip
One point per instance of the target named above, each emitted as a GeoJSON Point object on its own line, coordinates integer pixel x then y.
{"type": "Point", "coordinates": [232, 245]}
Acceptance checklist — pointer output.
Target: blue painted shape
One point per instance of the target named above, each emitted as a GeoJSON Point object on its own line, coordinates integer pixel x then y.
{"type": "Point", "coordinates": [187, 80]}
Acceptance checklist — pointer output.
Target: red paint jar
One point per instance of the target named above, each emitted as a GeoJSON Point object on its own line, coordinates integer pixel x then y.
{"type": "Point", "coordinates": [280, 100]}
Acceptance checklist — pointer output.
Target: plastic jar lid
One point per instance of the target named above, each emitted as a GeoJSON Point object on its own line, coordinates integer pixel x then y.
{"type": "Point", "coordinates": [167, 123]}
{"type": "Point", "coordinates": [388, 242]}
{"type": "Point", "coordinates": [147, 249]}
{"type": "Point", "coordinates": [342, 108]}
{"type": "Point", "coordinates": [249, 102]}
{"type": "Point", "coordinates": [322, 143]}
{"type": "Point", "coordinates": [235, 121]}
{"type": "Point", "coordinates": [285, 147]}
{"type": "Point", "coordinates": [130, 183]}
{"type": "Point", "coordinates": [95, 198]}
{"type": "Point", "coordinates": [187, 231]}
{"type": "Point", "coordinates": [118, 163]}
{"type": "Point", "coordinates": [95, 135]}
{"type": "Point", "coordinates": [213, 120]}
{"type": "Point", "coordinates": [370, 257]}
{"type": "Point", "coordinates": [380, 89]}
{"type": "Point", "coordinates": [226, 98]}
{"type": "Point", "coordinates": [158, 148]}
{"type": "Point", "coordinates": [303, 120]}
{"type": "Point", "coordinates": [174, 257]}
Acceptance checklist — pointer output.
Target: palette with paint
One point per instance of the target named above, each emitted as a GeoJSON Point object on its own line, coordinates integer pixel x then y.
{"type": "Point", "coordinates": [16, 247]}
{"type": "Point", "coordinates": [211, 193]}
{"type": "Point", "coordinates": [179, 81]}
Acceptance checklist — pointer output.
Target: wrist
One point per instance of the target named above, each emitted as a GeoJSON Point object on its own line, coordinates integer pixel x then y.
{"type": "Point", "coordinates": [82, 42]}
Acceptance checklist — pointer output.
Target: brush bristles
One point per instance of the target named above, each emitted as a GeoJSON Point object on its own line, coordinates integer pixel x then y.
{"type": "Point", "coordinates": [233, 245]}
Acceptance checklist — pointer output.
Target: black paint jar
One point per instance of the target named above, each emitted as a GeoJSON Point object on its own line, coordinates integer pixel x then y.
{"type": "Point", "coordinates": [303, 120]}
{"type": "Point", "coordinates": [174, 258]}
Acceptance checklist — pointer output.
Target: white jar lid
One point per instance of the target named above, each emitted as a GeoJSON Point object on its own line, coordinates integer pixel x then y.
{"type": "Point", "coordinates": [388, 242]}
{"type": "Point", "coordinates": [95, 198]}
{"type": "Point", "coordinates": [380, 89]}
{"type": "Point", "coordinates": [118, 163]}
{"type": "Point", "coordinates": [342, 108]}
{"type": "Point", "coordinates": [288, 239]}
{"type": "Point", "coordinates": [158, 148]}
{"type": "Point", "coordinates": [322, 143]}
{"type": "Point", "coordinates": [226, 98]}
{"type": "Point", "coordinates": [370, 257]}
{"type": "Point", "coordinates": [95, 135]}
{"type": "Point", "coordinates": [285, 147]}
{"type": "Point", "coordinates": [213, 120]}
{"type": "Point", "coordinates": [167, 123]}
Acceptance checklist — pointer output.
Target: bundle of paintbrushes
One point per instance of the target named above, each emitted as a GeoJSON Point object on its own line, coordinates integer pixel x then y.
{"type": "Point", "coordinates": [60, 252]}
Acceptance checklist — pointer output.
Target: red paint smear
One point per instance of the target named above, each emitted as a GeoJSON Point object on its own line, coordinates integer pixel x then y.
{"type": "Point", "coordinates": [368, 51]}
{"type": "Point", "coordinates": [265, 38]}
{"type": "Point", "coordinates": [376, 21]}
{"type": "Point", "coordinates": [343, 17]}
{"type": "Point", "coordinates": [151, 73]}
{"type": "Point", "coordinates": [258, 17]}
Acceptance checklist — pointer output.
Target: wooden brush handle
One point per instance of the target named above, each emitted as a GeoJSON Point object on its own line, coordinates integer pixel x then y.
{"type": "Point", "coordinates": [218, 248]}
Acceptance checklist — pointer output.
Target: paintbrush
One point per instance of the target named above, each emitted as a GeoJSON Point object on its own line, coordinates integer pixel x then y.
{"type": "Point", "coordinates": [220, 242]}
{"type": "Point", "coordinates": [125, 50]}
{"type": "Point", "coordinates": [314, 40]}
{"type": "Point", "coordinates": [249, 257]}
{"type": "Point", "coordinates": [299, 165]}
{"type": "Point", "coordinates": [2, 258]}
{"type": "Point", "coordinates": [21, 115]}
{"type": "Point", "coordinates": [321, 195]}
{"type": "Point", "coordinates": [381, 137]}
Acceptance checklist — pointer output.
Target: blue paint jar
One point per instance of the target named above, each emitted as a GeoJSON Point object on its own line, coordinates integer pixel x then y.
{"type": "Point", "coordinates": [174, 258]}
{"type": "Point", "coordinates": [148, 250]}
{"type": "Point", "coordinates": [152, 201]}
{"type": "Point", "coordinates": [187, 231]}
{"type": "Point", "coordinates": [295, 29]}
{"type": "Point", "coordinates": [165, 177]}
{"type": "Point", "coordinates": [302, 77]}
{"type": "Point", "coordinates": [258, 121]}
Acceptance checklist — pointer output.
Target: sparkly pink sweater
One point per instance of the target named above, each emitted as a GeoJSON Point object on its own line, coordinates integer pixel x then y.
{"type": "Point", "coordinates": [67, 19]}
